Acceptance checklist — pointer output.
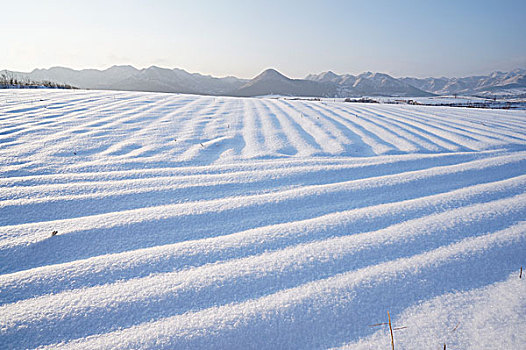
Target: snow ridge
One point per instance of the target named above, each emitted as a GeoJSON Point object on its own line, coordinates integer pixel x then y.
{"type": "Point", "coordinates": [215, 222]}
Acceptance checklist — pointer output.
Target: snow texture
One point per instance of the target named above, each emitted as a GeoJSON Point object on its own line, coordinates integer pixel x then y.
{"type": "Point", "coordinates": [163, 221]}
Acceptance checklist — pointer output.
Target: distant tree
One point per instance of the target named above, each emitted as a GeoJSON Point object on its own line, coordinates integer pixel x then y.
{"type": "Point", "coordinates": [8, 80]}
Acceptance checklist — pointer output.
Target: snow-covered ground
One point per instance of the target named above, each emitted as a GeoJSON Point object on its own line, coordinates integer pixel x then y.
{"type": "Point", "coordinates": [437, 100]}
{"type": "Point", "coordinates": [227, 223]}
{"type": "Point", "coordinates": [459, 101]}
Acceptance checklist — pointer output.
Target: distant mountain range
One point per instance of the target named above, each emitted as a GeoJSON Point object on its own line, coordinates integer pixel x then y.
{"type": "Point", "coordinates": [271, 82]}
{"type": "Point", "coordinates": [368, 84]}
{"type": "Point", "coordinates": [497, 83]}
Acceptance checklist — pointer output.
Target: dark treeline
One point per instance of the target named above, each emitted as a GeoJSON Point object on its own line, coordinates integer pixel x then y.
{"type": "Point", "coordinates": [8, 81]}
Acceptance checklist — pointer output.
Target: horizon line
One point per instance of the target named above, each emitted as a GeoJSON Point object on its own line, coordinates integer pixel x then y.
{"type": "Point", "coordinates": [264, 70]}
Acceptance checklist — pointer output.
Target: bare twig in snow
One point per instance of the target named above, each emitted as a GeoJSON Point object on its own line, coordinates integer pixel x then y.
{"type": "Point", "coordinates": [391, 329]}
{"type": "Point", "coordinates": [379, 324]}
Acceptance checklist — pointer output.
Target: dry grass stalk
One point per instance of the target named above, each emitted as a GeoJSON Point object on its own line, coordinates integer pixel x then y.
{"type": "Point", "coordinates": [391, 329]}
{"type": "Point", "coordinates": [379, 324]}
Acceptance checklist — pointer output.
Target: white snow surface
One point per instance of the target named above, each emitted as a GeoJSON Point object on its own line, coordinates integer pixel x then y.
{"type": "Point", "coordinates": [196, 222]}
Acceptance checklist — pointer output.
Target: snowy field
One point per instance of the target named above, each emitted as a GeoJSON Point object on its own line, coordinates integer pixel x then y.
{"type": "Point", "coordinates": [192, 222]}
{"type": "Point", "coordinates": [459, 101]}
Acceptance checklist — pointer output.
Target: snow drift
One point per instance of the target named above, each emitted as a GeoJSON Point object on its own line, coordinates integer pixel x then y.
{"type": "Point", "coordinates": [214, 222]}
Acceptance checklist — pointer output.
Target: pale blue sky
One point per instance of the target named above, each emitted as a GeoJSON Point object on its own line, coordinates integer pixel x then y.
{"type": "Point", "coordinates": [242, 38]}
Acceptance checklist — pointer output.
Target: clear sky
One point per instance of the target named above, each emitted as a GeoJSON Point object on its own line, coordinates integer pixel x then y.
{"type": "Point", "coordinates": [242, 38]}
